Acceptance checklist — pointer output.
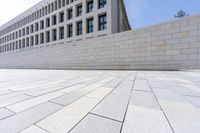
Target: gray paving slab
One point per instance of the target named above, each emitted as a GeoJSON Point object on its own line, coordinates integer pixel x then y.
{"type": "Point", "coordinates": [22, 120]}
{"type": "Point", "coordinates": [3, 92]}
{"type": "Point", "coordinates": [145, 120]}
{"type": "Point", "coordinates": [183, 117]}
{"type": "Point", "coordinates": [141, 85]}
{"type": "Point", "coordinates": [4, 113]}
{"type": "Point", "coordinates": [115, 104]}
{"type": "Point", "coordinates": [144, 99]}
{"type": "Point", "coordinates": [194, 101]}
{"type": "Point", "coordinates": [96, 124]}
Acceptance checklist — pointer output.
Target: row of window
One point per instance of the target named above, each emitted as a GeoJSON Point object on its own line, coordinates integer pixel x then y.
{"type": "Point", "coordinates": [45, 24]}
{"type": "Point", "coordinates": [51, 35]}
{"type": "Point", "coordinates": [57, 4]}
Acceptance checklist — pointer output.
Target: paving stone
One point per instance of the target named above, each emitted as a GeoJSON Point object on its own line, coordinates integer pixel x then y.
{"type": "Point", "coordinates": [64, 120]}
{"type": "Point", "coordinates": [33, 129]}
{"type": "Point", "coordinates": [184, 118]}
{"type": "Point", "coordinates": [115, 104]}
{"type": "Point", "coordinates": [21, 106]}
{"type": "Point", "coordinates": [141, 85]}
{"type": "Point", "coordinates": [13, 100]}
{"type": "Point", "coordinates": [145, 120]}
{"type": "Point", "coordinates": [194, 100]}
{"type": "Point", "coordinates": [42, 91]}
{"type": "Point", "coordinates": [95, 124]}
{"type": "Point", "coordinates": [113, 83]}
{"type": "Point", "coordinates": [144, 99]}
{"type": "Point", "coordinates": [72, 88]}
{"type": "Point", "coordinates": [163, 94]}
{"type": "Point", "coordinates": [22, 120]}
{"type": "Point", "coordinates": [75, 95]}
{"type": "Point", "coordinates": [5, 92]}
{"type": "Point", "coordinates": [4, 113]}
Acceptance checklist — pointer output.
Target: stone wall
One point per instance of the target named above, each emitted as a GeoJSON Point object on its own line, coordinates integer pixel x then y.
{"type": "Point", "coordinates": [167, 46]}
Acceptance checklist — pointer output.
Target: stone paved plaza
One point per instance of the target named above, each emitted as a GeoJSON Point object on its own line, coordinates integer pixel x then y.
{"type": "Point", "coordinates": [62, 101]}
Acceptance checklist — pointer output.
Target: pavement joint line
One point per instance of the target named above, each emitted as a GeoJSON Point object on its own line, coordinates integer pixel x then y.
{"type": "Point", "coordinates": [56, 103]}
{"type": "Point", "coordinates": [127, 105]}
{"type": "Point", "coordinates": [142, 90]}
{"type": "Point", "coordinates": [97, 104]}
{"type": "Point", "coordinates": [104, 117]}
{"type": "Point", "coordinates": [161, 108]}
{"type": "Point", "coordinates": [41, 128]}
{"type": "Point", "coordinates": [9, 115]}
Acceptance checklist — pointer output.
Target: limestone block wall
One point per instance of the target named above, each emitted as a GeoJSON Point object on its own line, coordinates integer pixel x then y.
{"type": "Point", "coordinates": [167, 46]}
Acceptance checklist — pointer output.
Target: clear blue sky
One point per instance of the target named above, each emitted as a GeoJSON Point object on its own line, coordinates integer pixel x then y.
{"type": "Point", "coordinates": [146, 12]}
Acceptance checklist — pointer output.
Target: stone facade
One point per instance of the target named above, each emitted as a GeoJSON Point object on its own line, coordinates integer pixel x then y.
{"type": "Point", "coordinates": [167, 46]}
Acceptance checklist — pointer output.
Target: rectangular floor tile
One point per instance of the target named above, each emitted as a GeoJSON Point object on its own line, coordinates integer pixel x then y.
{"type": "Point", "coordinates": [144, 99]}
{"type": "Point", "coordinates": [141, 85]}
{"type": "Point", "coordinates": [95, 124]}
{"type": "Point", "coordinates": [22, 120]}
{"type": "Point", "coordinates": [21, 106]}
{"type": "Point", "coordinates": [145, 120]}
{"type": "Point", "coordinates": [115, 104]}
{"type": "Point", "coordinates": [33, 129]}
{"type": "Point", "coordinates": [64, 120]}
{"type": "Point", "coordinates": [4, 113]}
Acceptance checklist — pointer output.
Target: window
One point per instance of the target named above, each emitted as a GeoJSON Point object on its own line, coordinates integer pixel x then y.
{"type": "Point", "coordinates": [36, 26]}
{"type": "Point", "coordinates": [36, 39]}
{"type": "Point", "coordinates": [41, 38]}
{"type": "Point", "coordinates": [70, 30]}
{"type": "Point", "coordinates": [59, 3]}
{"type": "Point", "coordinates": [23, 43]}
{"type": "Point", "coordinates": [20, 44]}
{"type": "Point", "coordinates": [32, 28]}
{"type": "Point", "coordinates": [47, 22]}
{"type": "Point", "coordinates": [16, 44]}
{"type": "Point", "coordinates": [63, 3]}
{"type": "Point", "coordinates": [102, 3]}
{"type": "Point", "coordinates": [90, 6]}
{"type": "Point", "coordinates": [102, 22]}
{"type": "Point", "coordinates": [23, 31]}
{"type": "Point", "coordinates": [90, 25]}
{"type": "Point", "coordinates": [70, 14]}
{"type": "Point", "coordinates": [54, 21]}
{"type": "Point", "coordinates": [41, 24]}
{"type": "Point", "coordinates": [27, 42]}
{"type": "Point", "coordinates": [79, 10]}
{"type": "Point", "coordinates": [54, 35]}
{"type": "Point", "coordinates": [20, 33]}
{"type": "Point", "coordinates": [32, 40]}
{"type": "Point", "coordinates": [79, 28]}
{"type": "Point", "coordinates": [47, 36]}
{"type": "Point", "coordinates": [61, 17]}
{"type": "Point", "coordinates": [61, 33]}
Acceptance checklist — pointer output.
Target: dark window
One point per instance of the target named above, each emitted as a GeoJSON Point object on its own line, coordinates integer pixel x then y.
{"type": "Point", "coordinates": [20, 44]}
{"type": "Point", "coordinates": [90, 6]}
{"type": "Point", "coordinates": [27, 30]}
{"type": "Point", "coordinates": [23, 32]}
{"type": "Point", "coordinates": [54, 35]}
{"type": "Point", "coordinates": [27, 42]}
{"type": "Point", "coordinates": [102, 3]}
{"type": "Point", "coordinates": [102, 22]}
{"type": "Point", "coordinates": [23, 43]}
{"type": "Point", "coordinates": [32, 40]}
{"type": "Point", "coordinates": [79, 28]}
{"type": "Point", "coordinates": [47, 22]}
{"type": "Point", "coordinates": [47, 36]}
{"type": "Point", "coordinates": [36, 26]}
{"type": "Point", "coordinates": [41, 24]}
{"type": "Point", "coordinates": [36, 40]}
{"type": "Point", "coordinates": [61, 33]}
{"type": "Point", "coordinates": [70, 30]}
{"type": "Point", "coordinates": [41, 38]}
{"type": "Point", "coordinates": [70, 14]}
{"type": "Point", "coordinates": [90, 25]}
{"type": "Point", "coordinates": [79, 10]}
{"type": "Point", "coordinates": [32, 28]}
{"type": "Point", "coordinates": [54, 20]}
{"type": "Point", "coordinates": [61, 17]}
